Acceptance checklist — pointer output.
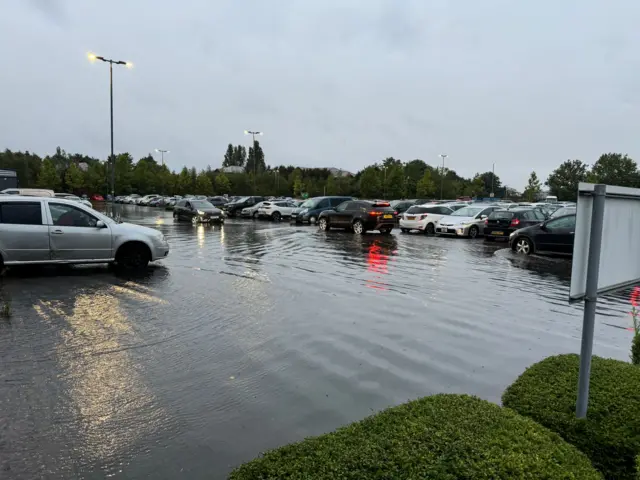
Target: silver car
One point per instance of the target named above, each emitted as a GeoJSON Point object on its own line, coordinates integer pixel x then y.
{"type": "Point", "coordinates": [466, 222]}
{"type": "Point", "coordinates": [38, 230]}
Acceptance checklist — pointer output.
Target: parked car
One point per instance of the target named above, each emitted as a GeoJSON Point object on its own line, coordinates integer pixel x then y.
{"type": "Point", "coordinates": [217, 202]}
{"type": "Point", "coordinates": [453, 205]}
{"type": "Point", "coordinates": [251, 212]}
{"type": "Point", "coordinates": [75, 198]}
{"type": "Point", "coordinates": [235, 207]}
{"type": "Point", "coordinates": [97, 198]}
{"type": "Point", "coordinates": [359, 216]}
{"type": "Point", "coordinates": [555, 235]}
{"type": "Point", "coordinates": [423, 218]}
{"type": "Point", "coordinates": [144, 201]}
{"type": "Point", "coordinates": [29, 192]}
{"type": "Point", "coordinates": [276, 210]}
{"type": "Point", "coordinates": [563, 211]}
{"type": "Point", "coordinates": [131, 199]}
{"type": "Point", "coordinates": [197, 211]}
{"type": "Point", "coordinates": [309, 211]}
{"type": "Point", "coordinates": [501, 223]}
{"type": "Point", "coordinates": [401, 206]}
{"type": "Point", "coordinates": [465, 222]}
{"type": "Point", "coordinates": [59, 231]}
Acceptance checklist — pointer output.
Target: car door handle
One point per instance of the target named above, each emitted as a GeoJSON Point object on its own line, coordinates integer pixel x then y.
{"type": "Point", "coordinates": [57, 232]}
{"type": "Point", "coordinates": [571, 233]}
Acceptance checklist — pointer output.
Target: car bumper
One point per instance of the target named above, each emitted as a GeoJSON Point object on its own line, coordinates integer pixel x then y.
{"type": "Point", "coordinates": [160, 252]}
{"type": "Point", "coordinates": [454, 230]}
{"type": "Point", "coordinates": [413, 224]}
{"type": "Point", "coordinates": [497, 232]}
{"type": "Point", "coordinates": [210, 218]}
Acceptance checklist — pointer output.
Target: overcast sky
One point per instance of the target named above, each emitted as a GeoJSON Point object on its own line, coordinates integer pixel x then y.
{"type": "Point", "coordinates": [339, 83]}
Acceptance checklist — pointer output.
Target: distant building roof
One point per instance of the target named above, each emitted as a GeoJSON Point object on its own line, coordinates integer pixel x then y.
{"type": "Point", "coordinates": [339, 172]}
{"type": "Point", "coordinates": [232, 169]}
{"type": "Point", "coordinates": [8, 173]}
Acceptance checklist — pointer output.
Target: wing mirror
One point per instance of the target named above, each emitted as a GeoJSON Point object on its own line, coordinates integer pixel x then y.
{"type": "Point", "coordinates": [100, 224]}
{"type": "Point", "coordinates": [544, 227]}
{"type": "Point", "coordinates": [482, 217]}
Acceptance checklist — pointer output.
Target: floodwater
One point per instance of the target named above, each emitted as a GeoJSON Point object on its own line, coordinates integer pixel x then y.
{"type": "Point", "coordinates": [254, 334]}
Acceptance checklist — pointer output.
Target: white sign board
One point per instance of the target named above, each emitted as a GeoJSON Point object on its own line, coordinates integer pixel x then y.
{"type": "Point", "coordinates": [620, 251]}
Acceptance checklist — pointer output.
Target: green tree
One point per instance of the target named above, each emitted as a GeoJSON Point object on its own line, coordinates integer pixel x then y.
{"type": "Point", "coordinates": [563, 181]}
{"type": "Point", "coordinates": [223, 185]}
{"type": "Point", "coordinates": [476, 187]}
{"type": "Point", "coordinates": [394, 181]}
{"type": "Point", "coordinates": [203, 184]}
{"type": "Point", "coordinates": [74, 179]}
{"type": "Point", "coordinates": [615, 169]}
{"type": "Point", "coordinates": [426, 187]}
{"type": "Point", "coordinates": [228, 160]}
{"type": "Point", "coordinates": [239, 156]}
{"type": "Point", "coordinates": [123, 174]}
{"type": "Point", "coordinates": [49, 177]}
{"type": "Point", "coordinates": [331, 188]}
{"type": "Point", "coordinates": [532, 190]}
{"type": "Point", "coordinates": [255, 159]}
{"type": "Point", "coordinates": [96, 178]}
{"type": "Point", "coordinates": [371, 183]}
{"type": "Point", "coordinates": [487, 178]}
{"type": "Point", "coordinates": [184, 184]}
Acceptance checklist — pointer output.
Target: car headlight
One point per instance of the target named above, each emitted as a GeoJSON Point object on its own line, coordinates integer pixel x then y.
{"type": "Point", "coordinates": [200, 212]}
{"type": "Point", "coordinates": [303, 211]}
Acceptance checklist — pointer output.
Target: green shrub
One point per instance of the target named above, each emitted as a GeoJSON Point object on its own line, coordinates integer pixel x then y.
{"type": "Point", "coordinates": [440, 437]}
{"type": "Point", "coordinates": [635, 350]}
{"type": "Point", "coordinates": [610, 435]}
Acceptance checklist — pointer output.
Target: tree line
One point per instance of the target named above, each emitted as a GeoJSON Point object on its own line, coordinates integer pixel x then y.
{"type": "Point", "coordinates": [391, 178]}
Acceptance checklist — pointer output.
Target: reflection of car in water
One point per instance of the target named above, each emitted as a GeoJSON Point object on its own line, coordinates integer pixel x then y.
{"type": "Point", "coordinates": [501, 223]}
{"type": "Point", "coordinates": [197, 211]}
{"type": "Point", "coordinates": [359, 216]}
{"type": "Point", "coordinates": [556, 235]}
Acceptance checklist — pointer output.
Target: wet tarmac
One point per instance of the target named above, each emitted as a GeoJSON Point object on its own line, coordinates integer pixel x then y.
{"type": "Point", "coordinates": [254, 334]}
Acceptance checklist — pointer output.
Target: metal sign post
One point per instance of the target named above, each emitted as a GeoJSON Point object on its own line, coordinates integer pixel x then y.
{"type": "Point", "coordinates": [591, 298]}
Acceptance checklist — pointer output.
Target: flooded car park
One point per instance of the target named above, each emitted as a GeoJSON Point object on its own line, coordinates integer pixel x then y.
{"type": "Point", "coordinates": [251, 335]}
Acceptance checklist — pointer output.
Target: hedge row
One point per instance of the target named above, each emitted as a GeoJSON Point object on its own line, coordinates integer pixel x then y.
{"type": "Point", "coordinates": [610, 435]}
{"type": "Point", "coordinates": [443, 437]}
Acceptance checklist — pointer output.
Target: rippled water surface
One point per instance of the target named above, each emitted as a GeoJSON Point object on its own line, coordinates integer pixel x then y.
{"type": "Point", "coordinates": [255, 334]}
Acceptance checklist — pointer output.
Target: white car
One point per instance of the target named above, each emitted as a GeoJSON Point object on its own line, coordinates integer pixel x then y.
{"type": "Point", "coordinates": [75, 198]}
{"type": "Point", "coordinates": [251, 212]}
{"type": "Point", "coordinates": [423, 218]}
{"type": "Point", "coordinates": [146, 199]}
{"type": "Point", "coordinates": [276, 210]}
{"type": "Point", "coordinates": [131, 199]}
{"type": "Point", "coordinates": [58, 231]}
{"type": "Point", "coordinates": [466, 222]}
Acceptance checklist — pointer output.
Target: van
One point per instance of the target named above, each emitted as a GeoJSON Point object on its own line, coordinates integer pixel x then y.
{"type": "Point", "coordinates": [29, 192]}
{"type": "Point", "coordinates": [308, 212]}
{"type": "Point", "coordinates": [551, 199]}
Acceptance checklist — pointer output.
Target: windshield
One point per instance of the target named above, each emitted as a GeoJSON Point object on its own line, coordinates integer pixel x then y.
{"type": "Point", "coordinates": [241, 200]}
{"type": "Point", "coordinates": [201, 204]}
{"type": "Point", "coordinates": [467, 212]}
{"type": "Point", "coordinates": [563, 211]}
{"type": "Point", "coordinates": [418, 209]}
{"type": "Point", "coordinates": [309, 203]}
{"type": "Point", "coordinates": [501, 214]}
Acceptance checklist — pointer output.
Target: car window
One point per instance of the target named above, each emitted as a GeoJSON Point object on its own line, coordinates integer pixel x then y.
{"type": "Point", "coordinates": [187, 205]}
{"type": "Point", "coordinates": [342, 207]}
{"type": "Point", "coordinates": [539, 214]}
{"type": "Point", "coordinates": [22, 213]}
{"type": "Point", "coordinates": [69, 216]}
{"type": "Point", "coordinates": [181, 203]}
{"type": "Point", "coordinates": [501, 214]}
{"type": "Point", "coordinates": [563, 222]}
{"type": "Point", "coordinates": [486, 211]}
{"type": "Point", "coordinates": [323, 203]}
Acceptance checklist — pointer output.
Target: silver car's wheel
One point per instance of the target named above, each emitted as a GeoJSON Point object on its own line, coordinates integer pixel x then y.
{"type": "Point", "coordinates": [473, 231]}
{"type": "Point", "coordinates": [194, 220]}
{"type": "Point", "coordinates": [523, 246]}
{"type": "Point", "coordinates": [322, 224]}
{"type": "Point", "coordinates": [312, 219]}
{"type": "Point", "coordinates": [358, 227]}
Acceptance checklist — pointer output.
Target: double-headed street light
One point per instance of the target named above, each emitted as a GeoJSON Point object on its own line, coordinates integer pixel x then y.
{"type": "Point", "coordinates": [255, 163]}
{"type": "Point", "coordinates": [162, 152]}
{"type": "Point", "coordinates": [93, 57]}
{"type": "Point", "coordinates": [442, 156]}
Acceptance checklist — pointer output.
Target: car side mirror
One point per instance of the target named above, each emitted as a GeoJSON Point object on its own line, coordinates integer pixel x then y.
{"type": "Point", "coordinates": [482, 217]}
{"type": "Point", "coordinates": [544, 227]}
{"type": "Point", "coordinates": [100, 224]}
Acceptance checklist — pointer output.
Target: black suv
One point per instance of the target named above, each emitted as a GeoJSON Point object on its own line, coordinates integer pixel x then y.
{"type": "Point", "coordinates": [501, 223]}
{"type": "Point", "coordinates": [235, 207]}
{"type": "Point", "coordinates": [359, 216]}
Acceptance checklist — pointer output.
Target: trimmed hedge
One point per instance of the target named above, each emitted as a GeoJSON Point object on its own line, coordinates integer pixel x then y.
{"type": "Point", "coordinates": [443, 437]}
{"type": "Point", "coordinates": [610, 435]}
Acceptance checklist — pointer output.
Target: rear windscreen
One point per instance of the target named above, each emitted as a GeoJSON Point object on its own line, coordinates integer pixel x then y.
{"type": "Point", "coordinates": [501, 215]}
{"type": "Point", "coordinates": [418, 210]}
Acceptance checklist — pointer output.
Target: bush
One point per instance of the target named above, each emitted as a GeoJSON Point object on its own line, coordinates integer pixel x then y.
{"type": "Point", "coordinates": [610, 435]}
{"type": "Point", "coordinates": [440, 437]}
{"type": "Point", "coordinates": [635, 350]}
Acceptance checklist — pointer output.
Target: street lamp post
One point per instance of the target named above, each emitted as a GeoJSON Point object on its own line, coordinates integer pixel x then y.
{"type": "Point", "coordinates": [162, 152]}
{"type": "Point", "coordinates": [493, 175]}
{"type": "Point", "coordinates": [93, 57]}
{"type": "Point", "coordinates": [255, 163]}
{"type": "Point", "coordinates": [443, 156]}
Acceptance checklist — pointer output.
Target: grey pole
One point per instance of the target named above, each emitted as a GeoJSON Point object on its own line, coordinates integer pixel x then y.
{"type": "Point", "coordinates": [113, 158]}
{"type": "Point", "coordinates": [591, 298]}
{"type": "Point", "coordinates": [493, 175]}
{"type": "Point", "coordinates": [443, 156]}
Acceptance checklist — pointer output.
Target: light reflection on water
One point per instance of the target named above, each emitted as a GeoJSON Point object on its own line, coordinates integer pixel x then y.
{"type": "Point", "coordinates": [255, 334]}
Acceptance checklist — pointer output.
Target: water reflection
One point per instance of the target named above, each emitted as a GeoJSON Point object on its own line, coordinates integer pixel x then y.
{"type": "Point", "coordinates": [377, 260]}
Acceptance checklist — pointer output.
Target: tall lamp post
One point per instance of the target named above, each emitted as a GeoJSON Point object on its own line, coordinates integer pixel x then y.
{"type": "Point", "coordinates": [255, 164]}
{"type": "Point", "coordinates": [162, 152]}
{"type": "Point", "coordinates": [493, 175]}
{"type": "Point", "coordinates": [93, 57]}
{"type": "Point", "coordinates": [442, 156]}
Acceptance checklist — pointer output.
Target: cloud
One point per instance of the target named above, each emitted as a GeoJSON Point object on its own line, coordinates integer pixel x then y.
{"type": "Point", "coordinates": [334, 83]}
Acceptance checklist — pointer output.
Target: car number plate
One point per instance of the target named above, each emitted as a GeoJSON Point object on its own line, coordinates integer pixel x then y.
{"type": "Point", "coordinates": [410, 218]}
{"type": "Point", "coordinates": [498, 233]}
{"type": "Point", "coordinates": [387, 216]}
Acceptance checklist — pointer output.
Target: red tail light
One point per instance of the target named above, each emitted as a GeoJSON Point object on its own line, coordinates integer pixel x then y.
{"type": "Point", "coordinates": [486, 221]}
{"type": "Point", "coordinates": [514, 222]}
{"type": "Point", "coordinates": [395, 213]}
{"type": "Point", "coordinates": [375, 213]}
